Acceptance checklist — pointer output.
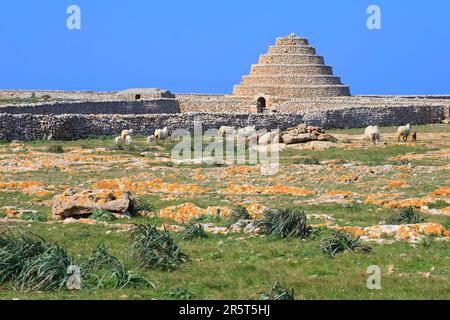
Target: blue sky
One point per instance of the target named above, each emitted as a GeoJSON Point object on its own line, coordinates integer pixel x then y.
{"type": "Point", "coordinates": [204, 46]}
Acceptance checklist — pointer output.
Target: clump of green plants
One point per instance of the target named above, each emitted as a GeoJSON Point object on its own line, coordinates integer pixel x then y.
{"type": "Point", "coordinates": [155, 249]}
{"type": "Point", "coordinates": [239, 213]}
{"type": "Point", "coordinates": [143, 205]}
{"type": "Point", "coordinates": [405, 216]}
{"type": "Point", "coordinates": [285, 223]}
{"type": "Point", "coordinates": [446, 225]}
{"type": "Point", "coordinates": [103, 270]}
{"type": "Point", "coordinates": [207, 218]}
{"type": "Point", "coordinates": [438, 204]}
{"type": "Point", "coordinates": [307, 161]}
{"type": "Point", "coordinates": [193, 231]}
{"type": "Point", "coordinates": [103, 215]}
{"type": "Point", "coordinates": [179, 293]}
{"type": "Point", "coordinates": [278, 292]}
{"type": "Point", "coordinates": [34, 216]}
{"type": "Point", "coordinates": [55, 148]}
{"type": "Point", "coordinates": [46, 271]}
{"type": "Point", "coordinates": [340, 242]}
{"type": "Point", "coordinates": [16, 251]}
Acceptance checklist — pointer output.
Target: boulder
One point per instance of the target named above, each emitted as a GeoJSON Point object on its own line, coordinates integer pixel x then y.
{"type": "Point", "coordinates": [73, 204]}
{"type": "Point", "coordinates": [326, 137]}
{"type": "Point", "coordinates": [293, 139]}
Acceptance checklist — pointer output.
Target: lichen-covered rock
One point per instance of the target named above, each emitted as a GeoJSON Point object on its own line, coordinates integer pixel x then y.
{"type": "Point", "coordinates": [72, 204]}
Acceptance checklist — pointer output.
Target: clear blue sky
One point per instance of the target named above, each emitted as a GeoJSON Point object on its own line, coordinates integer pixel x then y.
{"type": "Point", "coordinates": [206, 46]}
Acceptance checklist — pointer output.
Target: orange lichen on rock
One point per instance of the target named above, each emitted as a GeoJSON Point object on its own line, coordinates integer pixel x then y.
{"type": "Point", "coordinates": [271, 190]}
{"type": "Point", "coordinates": [35, 188]}
{"type": "Point", "coordinates": [257, 211]}
{"type": "Point", "coordinates": [442, 192]}
{"type": "Point", "coordinates": [340, 193]}
{"type": "Point", "coordinates": [241, 170]}
{"type": "Point", "coordinates": [188, 211]}
{"type": "Point", "coordinates": [396, 184]}
{"type": "Point", "coordinates": [156, 185]}
{"type": "Point", "coordinates": [409, 233]}
{"type": "Point", "coordinates": [387, 201]}
{"type": "Point", "coordinates": [351, 177]}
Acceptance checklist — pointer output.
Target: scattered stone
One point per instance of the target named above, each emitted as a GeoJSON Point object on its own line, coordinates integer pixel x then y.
{"type": "Point", "coordinates": [80, 204]}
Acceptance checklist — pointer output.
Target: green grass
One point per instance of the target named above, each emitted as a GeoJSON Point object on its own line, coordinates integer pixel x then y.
{"type": "Point", "coordinates": [239, 266]}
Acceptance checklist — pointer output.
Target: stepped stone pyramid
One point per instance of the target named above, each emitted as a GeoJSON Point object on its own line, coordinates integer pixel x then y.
{"type": "Point", "coordinates": [291, 69]}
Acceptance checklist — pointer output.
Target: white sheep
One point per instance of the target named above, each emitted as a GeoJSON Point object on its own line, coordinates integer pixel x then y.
{"type": "Point", "coordinates": [373, 133]}
{"type": "Point", "coordinates": [126, 133]}
{"type": "Point", "coordinates": [162, 134]}
{"type": "Point", "coordinates": [150, 139]}
{"type": "Point", "coordinates": [247, 132]}
{"type": "Point", "coordinates": [225, 131]}
{"type": "Point", "coordinates": [118, 141]}
{"type": "Point", "coordinates": [404, 132]}
{"type": "Point", "coordinates": [269, 137]}
{"type": "Point", "coordinates": [128, 140]}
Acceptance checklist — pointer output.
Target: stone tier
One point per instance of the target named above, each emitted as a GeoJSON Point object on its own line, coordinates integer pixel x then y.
{"type": "Point", "coordinates": [300, 69]}
{"type": "Point", "coordinates": [294, 79]}
{"type": "Point", "coordinates": [290, 59]}
{"type": "Point", "coordinates": [292, 91]}
{"type": "Point", "coordinates": [292, 49]}
{"type": "Point", "coordinates": [292, 41]}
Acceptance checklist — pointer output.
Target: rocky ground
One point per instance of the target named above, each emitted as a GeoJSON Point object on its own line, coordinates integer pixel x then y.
{"type": "Point", "coordinates": [53, 188]}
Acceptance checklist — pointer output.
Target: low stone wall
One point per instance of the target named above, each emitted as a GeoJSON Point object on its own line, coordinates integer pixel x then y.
{"type": "Point", "coordinates": [99, 107]}
{"type": "Point", "coordinates": [76, 126]}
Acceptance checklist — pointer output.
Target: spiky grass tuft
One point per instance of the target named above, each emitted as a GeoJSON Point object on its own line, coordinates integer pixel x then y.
{"type": "Point", "coordinates": [239, 213]}
{"type": "Point", "coordinates": [103, 270]}
{"type": "Point", "coordinates": [406, 216]}
{"type": "Point", "coordinates": [278, 292]}
{"type": "Point", "coordinates": [193, 231]}
{"type": "Point", "coordinates": [155, 249]}
{"type": "Point", "coordinates": [285, 223]}
{"type": "Point", "coordinates": [46, 271]}
{"type": "Point", "coordinates": [340, 242]}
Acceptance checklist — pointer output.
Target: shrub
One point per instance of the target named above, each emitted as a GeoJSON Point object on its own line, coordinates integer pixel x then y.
{"type": "Point", "coordinates": [406, 216]}
{"type": "Point", "coordinates": [278, 292]}
{"type": "Point", "coordinates": [143, 205]}
{"type": "Point", "coordinates": [103, 215]}
{"type": "Point", "coordinates": [103, 270]}
{"type": "Point", "coordinates": [340, 242]}
{"type": "Point", "coordinates": [193, 231]}
{"type": "Point", "coordinates": [285, 223]}
{"type": "Point", "coordinates": [155, 249]}
{"type": "Point", "coordinates": [56, 148]}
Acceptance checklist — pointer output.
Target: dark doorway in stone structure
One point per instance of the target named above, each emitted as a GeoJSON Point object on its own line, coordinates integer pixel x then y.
{"type": "Point", "coordinates": [137, 97]}
{"type": "Point", "coordinates": [261, 105]}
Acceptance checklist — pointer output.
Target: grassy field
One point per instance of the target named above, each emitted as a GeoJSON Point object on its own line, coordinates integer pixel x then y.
{"type": "Point", "coordinates": [239, 265]}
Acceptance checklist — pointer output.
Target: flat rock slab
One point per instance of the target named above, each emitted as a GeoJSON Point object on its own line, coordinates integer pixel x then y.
{"type": "Point", "coordinates": [73, 204]}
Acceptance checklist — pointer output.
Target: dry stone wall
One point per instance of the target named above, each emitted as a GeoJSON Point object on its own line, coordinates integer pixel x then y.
{"type": "Point", "coordinates": [98, 107]}
{"type": "Point", "coordinates": [76, 126]}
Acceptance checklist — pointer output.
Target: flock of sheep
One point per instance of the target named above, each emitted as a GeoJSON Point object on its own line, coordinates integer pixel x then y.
{"type": "Point", "coordinates": [373, 133]}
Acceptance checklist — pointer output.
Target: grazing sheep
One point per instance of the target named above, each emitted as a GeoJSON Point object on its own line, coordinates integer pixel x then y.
{"type": "Point", "coordinates": [247, 131]}
{"type": "Point", "coordinates": [225, 131]}
{"type": "Point", "coordinates": [414, 136]}
{"type": "Point", "coordinates": [126, 133]}
{"type": "Point", "coordinates": [373, 134]}
{"type": "Point", "coordinates": [269, 137]}
{"type": "Point", "coordinates": [128, 140]}
{"type": "Point", "coordinates": [118, 141]}
{"type": "Point", "coordinates": [404, 132]}
{"type": "Point", "coordinates": [150, 139]}
{"type": "Point", "coordinates": [162, 134]}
